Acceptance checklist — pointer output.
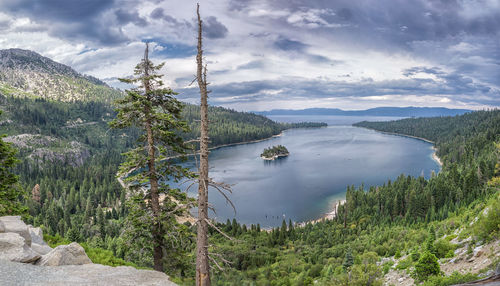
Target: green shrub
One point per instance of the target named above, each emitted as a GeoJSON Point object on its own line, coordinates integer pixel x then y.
{"type": "Point", "coordinates": [105, 257]}
{"type": "Point", "coordinates": [450, 254]}
{"type": "Point", "coordinates": [387, 266]}
{"type": "Point", "coordinates": [426, 266]}
{"type": "Point", "coordinates": [488, 226]}
{"type": "Point", "coordinates": [442, 247]}
{"type": "Point", "coordinates": [451, 237]}
{"type": "Point", "coordinates": [55, 240]}
{"type": "Point", "coordinates": [405, 263]}
{"type": "Point", "coordinates": [97, 255]}
{"type": "Point", "coordinates": [453, 279]}
{"type": "Point", "coordinates": [415, 256]}
{"type": "Point", "coordinates": [315, 270]}
{"type": "Point", "coordinates": [397, 255]}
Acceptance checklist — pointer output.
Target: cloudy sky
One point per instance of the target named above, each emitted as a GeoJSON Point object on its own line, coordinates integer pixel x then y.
{"type": "Point", "coordinates": [349, 54]}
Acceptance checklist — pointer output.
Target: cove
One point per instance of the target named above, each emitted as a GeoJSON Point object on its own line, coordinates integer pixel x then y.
{"type": "Point", "coordinates": [321, 164]}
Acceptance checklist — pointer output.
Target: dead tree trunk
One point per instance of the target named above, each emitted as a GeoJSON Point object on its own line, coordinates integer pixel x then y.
{"type": "Point", "coordinates": [202, 266]}
{"type": "Point", "coordinates": [155, 204]}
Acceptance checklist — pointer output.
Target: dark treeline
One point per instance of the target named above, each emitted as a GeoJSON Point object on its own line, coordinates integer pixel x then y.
{"type": "Point", "coordinates": [59, 119]}
{"type": "Point", "coordinates": [466, 145]}
{"type": "Point", "coordinates": [229, 126]}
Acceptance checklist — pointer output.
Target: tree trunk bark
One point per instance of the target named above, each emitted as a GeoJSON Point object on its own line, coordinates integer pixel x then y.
{"type": "Point", "coordinates": [155, 202]}
{"type": "Point", "coordinates": [202, 266]}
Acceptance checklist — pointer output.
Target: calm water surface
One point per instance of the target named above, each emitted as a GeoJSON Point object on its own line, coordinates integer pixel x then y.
{"type": "Point", "coordinates": [322, 162]}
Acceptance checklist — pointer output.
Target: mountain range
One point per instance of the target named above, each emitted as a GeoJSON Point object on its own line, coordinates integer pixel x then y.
{"type": "Point", "coordinates": [24, 73]}
{"type": "Point", "coordinates": [378, 111]}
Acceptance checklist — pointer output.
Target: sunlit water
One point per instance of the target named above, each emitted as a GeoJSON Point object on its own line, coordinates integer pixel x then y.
{"type": "Point", "coordinates": [322, 162]}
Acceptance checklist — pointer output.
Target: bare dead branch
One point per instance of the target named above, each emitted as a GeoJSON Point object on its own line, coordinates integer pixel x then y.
{"type": "Point", "coordinates": [218, 230]}
{"type": "Point", "coordinates": [215, 262]}
{"type": "Point", "coordinates": [195, 79]}
{"type": "Point", "coordinates": [225, 261]}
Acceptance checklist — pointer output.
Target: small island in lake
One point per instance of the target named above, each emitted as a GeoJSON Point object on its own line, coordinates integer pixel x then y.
{"type": "Point", "coordinates": [274, 152]}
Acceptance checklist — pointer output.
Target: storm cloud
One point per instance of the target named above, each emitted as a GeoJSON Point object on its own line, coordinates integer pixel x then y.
{"type": "Point", "coordinates": [269, 54]}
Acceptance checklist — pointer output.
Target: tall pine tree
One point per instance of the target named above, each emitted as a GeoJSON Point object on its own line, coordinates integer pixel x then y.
{"type": "Point", "coordinates": [153, 109]}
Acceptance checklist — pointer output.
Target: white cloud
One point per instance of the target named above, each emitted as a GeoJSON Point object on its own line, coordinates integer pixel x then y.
{"type": "Point", "coordinates": [328, 50]}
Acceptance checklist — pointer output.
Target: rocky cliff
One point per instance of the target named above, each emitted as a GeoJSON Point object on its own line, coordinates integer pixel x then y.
{"type": "Point", "coordinates": [25, 259]}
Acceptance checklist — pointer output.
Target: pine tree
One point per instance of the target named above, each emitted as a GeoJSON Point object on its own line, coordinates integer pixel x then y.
{"type": "Point", "coordinates": [154, 110]}
{"type": "Point", "coordinates": [348, 260]}
{"type": "Point", "coordinates": [291, 231]}
{"type": "Point", "coordinates": [426, 266]}
{"type": "Point", "coordinates": [10, 192]}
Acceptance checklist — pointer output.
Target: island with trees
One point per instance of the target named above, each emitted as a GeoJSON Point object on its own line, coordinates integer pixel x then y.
{"type": "Point", "coordinates": [275, 152]}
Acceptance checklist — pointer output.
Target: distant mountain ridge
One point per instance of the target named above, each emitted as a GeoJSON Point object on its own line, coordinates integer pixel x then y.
{"type": "Point", "coordinates": [409, 111]}
{"type": "Point", "coordinates": [25, 73]}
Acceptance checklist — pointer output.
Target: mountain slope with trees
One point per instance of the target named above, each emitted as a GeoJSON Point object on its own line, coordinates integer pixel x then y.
{"type": "Point", "coordinates": [24, 73]}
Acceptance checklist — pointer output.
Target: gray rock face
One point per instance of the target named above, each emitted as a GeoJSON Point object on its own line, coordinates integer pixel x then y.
{"type": "Point", "coordinates": [72, 254]}
{"type": "Point", "coordinates": [41, 249]}
{"type": "Point", "coordinates": [63, 265]}
{"type": "Point", "coordinates": [14, 248]}
{"type": "Point", "coordinates": [37, 242]}
{"type": "Point", "coordinates": [36, 234]}
{"type": "Point", "coordinates": [88, 274]}
{"type": "Point", "coordinates": [16, 225]}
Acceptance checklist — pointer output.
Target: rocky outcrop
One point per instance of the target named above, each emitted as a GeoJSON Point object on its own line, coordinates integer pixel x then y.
{"type": "Point", "coordinates": [14, 224]}
{"type": "Point", "coordinates": [49, 149]}
{"type": "Point", "coordinates": [72, 254]}
{"type": "Point", "coordinates": [37, 242]}
{"type": "Point", "coordinates": [14, 248]}
{"type": "Point", "coordinates": [38, 264]}
{"type": "Point", "coordinates": [88, 274]}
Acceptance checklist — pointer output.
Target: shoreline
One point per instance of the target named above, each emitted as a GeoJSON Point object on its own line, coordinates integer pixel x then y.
{"type": "Point", "coordinates": [275, 157]}
{"type": "Point", "coordinates": [435, 157]}
{"type": "Point", "coordinates": [333, 212]}
{"type": "Point", "coordinates": [326, 216]}
{"type": "Point", "coordinates": [247, 142]}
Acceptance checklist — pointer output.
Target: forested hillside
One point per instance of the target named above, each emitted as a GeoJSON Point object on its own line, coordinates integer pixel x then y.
{"type": "Point", "coordinates": [409, 217]}
{"type": "Point", "coordinates": [25, 73]}
{"type": "Point", "coordinates": [70, 157]}
{"type": "Point", "coordinates": [69, 160]}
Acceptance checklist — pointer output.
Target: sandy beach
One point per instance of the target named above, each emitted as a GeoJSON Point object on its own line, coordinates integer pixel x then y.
{"type": "Point", "coordinates": [435, 157]}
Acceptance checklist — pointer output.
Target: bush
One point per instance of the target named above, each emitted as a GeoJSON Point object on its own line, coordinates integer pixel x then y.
{"type": "Point", "coordinates": [488, 225]}
{"type": "Point", "coordinates": [404, 264]}
{"type": "Point", "coordinates": [415, 256]}
{"type": "Point", "coordinates": [450, 254]}
{"type": "Point", "coordinates": [55, 240]}
{"type": "Point", "coordinates": [387, 266]}
{"type": "Point", "coordinates": [397, 255]}
{"type": "Point", "coordinates": [104, 257]}
{"type": "Point", "coordinates": [427, 266]}
{"type": "Point", "coordinates": [315, 270]}
{"type": "Point", "coordinates": [442, 247]}
{"type": "Point", "coordinates": [453, 279]}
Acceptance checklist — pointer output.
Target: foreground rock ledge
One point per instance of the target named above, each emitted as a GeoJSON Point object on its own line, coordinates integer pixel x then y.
{"type": "Point", "coordinates": [13, 273]}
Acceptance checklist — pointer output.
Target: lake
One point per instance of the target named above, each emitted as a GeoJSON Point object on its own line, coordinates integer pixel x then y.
{"type": "Point", "coordinates": [322, 163]}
